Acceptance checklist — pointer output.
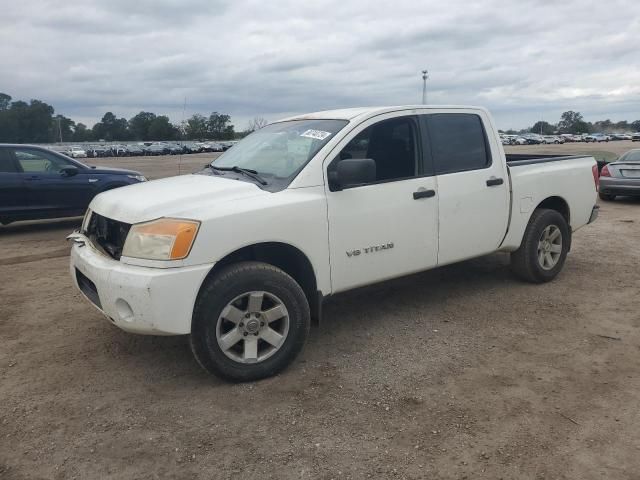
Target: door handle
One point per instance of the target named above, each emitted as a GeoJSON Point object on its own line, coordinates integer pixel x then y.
{"type": "Point", "coordinates": [424, 194]}
{"type": "Point", "coordinates": [492, 182]}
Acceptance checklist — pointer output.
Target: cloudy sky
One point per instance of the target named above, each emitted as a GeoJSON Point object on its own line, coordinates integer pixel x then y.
{"type": "Point", "coordinates": [525, 60]}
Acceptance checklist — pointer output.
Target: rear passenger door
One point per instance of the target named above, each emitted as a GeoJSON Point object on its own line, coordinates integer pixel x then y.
{"type": "Point", "coordinates": [13, 197]}
{"type": "Point", "coordinates": [473, 193]}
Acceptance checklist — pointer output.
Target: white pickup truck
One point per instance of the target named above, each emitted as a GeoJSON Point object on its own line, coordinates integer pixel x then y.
{"type": "Point", "coordinates": [241, 255]}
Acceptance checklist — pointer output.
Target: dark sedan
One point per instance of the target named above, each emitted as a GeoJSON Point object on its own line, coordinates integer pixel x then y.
{"type": "Point", "coordinates": [621, 177]}
{"type": "Point", "coordinates": [38, 183]}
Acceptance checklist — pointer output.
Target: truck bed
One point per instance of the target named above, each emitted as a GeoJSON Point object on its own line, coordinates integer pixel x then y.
{"type": "Point", "coordinates": [519, 159]}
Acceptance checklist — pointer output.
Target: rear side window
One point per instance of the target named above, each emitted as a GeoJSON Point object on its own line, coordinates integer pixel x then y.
{"type": "Point", "coordinates": [458, 142]}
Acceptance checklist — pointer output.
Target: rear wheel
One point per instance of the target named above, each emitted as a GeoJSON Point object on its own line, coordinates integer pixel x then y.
{"type": "Point", "coordinates": [250, 321]}
{"type": "Point", "coordinates": [607, 197]}
{"type": "Point", "coordinates": [544, 247]}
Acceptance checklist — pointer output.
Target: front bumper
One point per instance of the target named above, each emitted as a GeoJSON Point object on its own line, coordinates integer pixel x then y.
{"type": "Point", "coordinates": [620, 186]}
{"type": "Point", "coordinates": [151, 301]}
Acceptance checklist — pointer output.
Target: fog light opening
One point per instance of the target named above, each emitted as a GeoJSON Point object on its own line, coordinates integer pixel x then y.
{"type": "Point", "coordinates": [125, 312]}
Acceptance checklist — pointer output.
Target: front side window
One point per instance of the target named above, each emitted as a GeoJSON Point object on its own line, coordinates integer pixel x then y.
{"type": "Point", "coordinates": [458, 142]}
{"type": "Point", "coordinates": [7, 164]}
{"type": "Point", "coordinates": [280, 150]}
{"type": "Point", "coordinates": [390, 143]}
{"type": "Point", "coordinates": [39, 162]}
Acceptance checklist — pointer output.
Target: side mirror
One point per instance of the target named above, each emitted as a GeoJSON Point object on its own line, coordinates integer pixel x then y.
{"type": "Point", "coordinates": [69, 171]}
{"type": "Point", "coordinates": [353, 172]}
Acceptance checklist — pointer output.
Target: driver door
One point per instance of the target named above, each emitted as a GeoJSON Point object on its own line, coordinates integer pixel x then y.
{"type": "Point", "coordinates": [47, 189]}
{"type": "Point", "coordinates": [389, 227]}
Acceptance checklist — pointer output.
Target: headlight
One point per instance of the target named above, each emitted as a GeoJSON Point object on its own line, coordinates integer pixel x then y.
{"type": "Point", "coordinates": [140, 178]}
{"type": "Point", "coordinates": [164, 239]}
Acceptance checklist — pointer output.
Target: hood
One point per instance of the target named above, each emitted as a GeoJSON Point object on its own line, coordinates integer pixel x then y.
{"type": "Point", "coordinates": [174, 196]}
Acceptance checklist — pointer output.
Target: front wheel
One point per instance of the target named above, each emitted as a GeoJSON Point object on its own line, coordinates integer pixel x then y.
{"type": "Point", "coordinates": [250, 321]}
{"type": "Point", "coordinates": [544, 247]}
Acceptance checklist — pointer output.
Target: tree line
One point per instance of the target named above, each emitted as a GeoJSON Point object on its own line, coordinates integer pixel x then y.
{"type": "Point", "coordinates": [36, 122]}
{"type": "Point", "coordinates": [574, 123]}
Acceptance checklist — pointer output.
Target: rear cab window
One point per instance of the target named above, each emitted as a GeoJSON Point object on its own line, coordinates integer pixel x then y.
{"type": "Point", "coordinates": [457, 142]}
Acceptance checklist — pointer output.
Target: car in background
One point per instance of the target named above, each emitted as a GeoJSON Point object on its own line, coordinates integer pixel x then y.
{"type": "Point", "coordinates": [156, 149]}
{"type": "Point", "coordinates": [227, 145]}
{"type": "Point", "coordinates": [213, 147]}
{"type": "Point", "coordinates": [76, 152]}
{"type": "Point", "coordinates": [596, 138]}
{"type": "Point", "coordinates": [548, 139]}
{"type": "Point", "coordinates": [532, 139]}
{"type": "Point", "coordinates": [570, 138]}
{"type": "Point", "coordinates": [621, 177]}
{"type": "Point", "coordinates": [37, 183]}
{"type": "Point", "coordinates": [175, 149]}
{"type": "Point", "coordinates": [134, 150]}
{"type": "Point", "coordinates": [119, 151]}
{"type": "Point", "coordinates": [635, 137]}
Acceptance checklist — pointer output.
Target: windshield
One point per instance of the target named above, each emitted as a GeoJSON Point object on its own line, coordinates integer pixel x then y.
{"type": "Point", "coordinates": [281, 149]}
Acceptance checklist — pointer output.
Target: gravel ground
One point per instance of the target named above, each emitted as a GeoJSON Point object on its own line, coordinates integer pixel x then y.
{"type": "Point", "coordinates": [460, 372]}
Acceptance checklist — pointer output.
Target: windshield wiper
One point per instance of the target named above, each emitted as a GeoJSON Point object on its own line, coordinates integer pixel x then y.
{"type": "Point", "coordinates": [246, 171]}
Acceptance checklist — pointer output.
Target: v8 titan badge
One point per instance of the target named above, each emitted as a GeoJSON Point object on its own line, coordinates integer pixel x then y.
{"type": "Point", "coordinates": [372, 249]}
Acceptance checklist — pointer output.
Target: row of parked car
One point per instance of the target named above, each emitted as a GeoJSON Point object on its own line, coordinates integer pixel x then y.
{"type": "Point", "coordinates": [144, 148]}
{"type": "Point", "coordinates": [535, 139]}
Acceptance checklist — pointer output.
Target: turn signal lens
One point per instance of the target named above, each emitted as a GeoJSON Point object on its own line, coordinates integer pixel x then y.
{"type": "Point", "coordinates": [164, 239]}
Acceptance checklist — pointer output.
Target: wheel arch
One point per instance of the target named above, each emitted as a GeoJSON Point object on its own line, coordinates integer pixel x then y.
{"type": "Point", "coordinates": [558, 204]}
{"type": "Point", "coordinates": [561, 206]}
{"type": "Point", "coordinates": [286, 257]}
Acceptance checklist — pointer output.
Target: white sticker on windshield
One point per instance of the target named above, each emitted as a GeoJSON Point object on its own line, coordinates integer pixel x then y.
{"type": "Point", "coordinates": [317, 134]}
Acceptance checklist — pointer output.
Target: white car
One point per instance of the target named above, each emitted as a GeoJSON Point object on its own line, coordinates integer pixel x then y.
{"type": "Point", "coordinates": [552, 139]}
{"type": "Point", "coordinates": [77, 152]}
{"type": "Point", "coordinates": [242, 255]}
{"type": "Point", "coordinates": [520, 141]}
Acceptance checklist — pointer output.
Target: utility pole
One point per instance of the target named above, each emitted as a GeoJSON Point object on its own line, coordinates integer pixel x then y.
{"type": "Point", "coordinates": [59, 129]}
{"type": "Point", "coordinates": [425, 76]}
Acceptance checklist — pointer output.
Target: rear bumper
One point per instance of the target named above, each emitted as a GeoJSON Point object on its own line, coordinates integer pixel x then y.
{"type": "Point", "coordinates": [152, 301]}
{"type": "Point", "coordinates": [620, 186]}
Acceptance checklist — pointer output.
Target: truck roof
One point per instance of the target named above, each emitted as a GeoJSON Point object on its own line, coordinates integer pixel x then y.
{"type": "Point", "coordinates": [351, 113]}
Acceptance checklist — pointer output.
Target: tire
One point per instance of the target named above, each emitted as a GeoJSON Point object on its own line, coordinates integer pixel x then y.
{"type": "Point", "coordinates": [227, 291]}
{"type": "Point", "coordinates": [532, 264]}
{"type": "Point", "coordinates": [606, 197]}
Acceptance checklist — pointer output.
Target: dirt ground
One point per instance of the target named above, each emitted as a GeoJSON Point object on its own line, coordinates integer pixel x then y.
{"type": "Point", "coordinates": [461, 372]}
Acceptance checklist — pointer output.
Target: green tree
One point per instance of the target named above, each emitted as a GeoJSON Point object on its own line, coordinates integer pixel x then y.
{"type": "Point", "coordinates": [196, 127]}
{"type": "Point", "coordinates": [140, 124]}
{"type": "Point", "coordinates": [5, 101]}
{"type": "Point", "coordinates": [219, 126]}
{"type": "Point", "coordinates": [61, 127]}
{"type": "Point", "coordinates": [81, 133]}
{"type": "Point", "coordinates": [162, 129]}
{"type": "Point", "coordinates": [635, 126]}
{"type": "Point", "coordinates": [572, 122]}
{"type": "Point", "coordinates": [111, 128]}
{"type": "Point", "coordinates": [543, 128]}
